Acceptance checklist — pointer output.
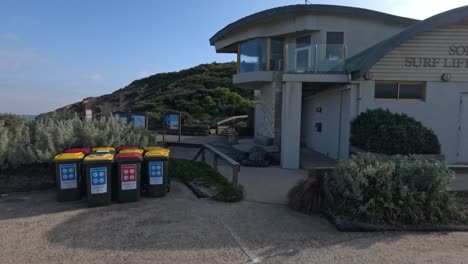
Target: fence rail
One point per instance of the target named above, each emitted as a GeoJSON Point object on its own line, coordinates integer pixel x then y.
{"type": "Point", "coordinates": [217, 155]}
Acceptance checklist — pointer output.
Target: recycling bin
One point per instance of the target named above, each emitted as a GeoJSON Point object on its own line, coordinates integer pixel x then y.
{"type": "Point", "coordinates": [85, 151]}
{"type": "Point", "coordinates": [100, 150]}
{"type": "Point", "coordinates": [69, 176]}
{"type": "Point", "coordinates": [128, 179]}
{"type": "Point", "coordinates": [126, 147]}
{"type": "Point", "coordinates": [98, 169]}
{"type": "Point", "coordinates": [152, 148]}
{"type": "Point", "coordinates": [132, 151]}
{"type": "Point", "coordinates": [156, 175]}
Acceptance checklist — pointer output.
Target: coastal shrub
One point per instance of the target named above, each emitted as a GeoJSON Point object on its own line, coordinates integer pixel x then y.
{"type": "Point", "coordinates": [382, 131]}
{"type": "Point", "coordinates": [26, 142]}
{"type": "Point", "coordinates": [396, 191]}
{"type": "Point", "coordinates": [256, 157]}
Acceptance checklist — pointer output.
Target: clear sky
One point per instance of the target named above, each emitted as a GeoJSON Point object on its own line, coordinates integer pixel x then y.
{"type": "Point", "coordinates": [56, 52]}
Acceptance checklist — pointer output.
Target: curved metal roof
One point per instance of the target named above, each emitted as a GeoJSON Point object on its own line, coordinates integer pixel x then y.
{"type": "Point", "coordinates": [297, 9]}
{"type": "Point", "coordinates": [362, 62]}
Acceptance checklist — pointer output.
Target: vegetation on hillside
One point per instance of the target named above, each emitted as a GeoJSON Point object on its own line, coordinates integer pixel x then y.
{"type": "Point", "coordinates": [204, 94]}
{"type": "Point", "coordinates": [26, 142]}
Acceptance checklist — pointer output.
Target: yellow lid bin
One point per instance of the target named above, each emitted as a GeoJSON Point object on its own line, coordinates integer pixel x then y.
{"type": "Point", "coordinates": [162, 153]}
{"type": "Point", "coordinates": [155, 148]}
{"type": "Point", "coordinates": [69, 156]}
{"type": "Point", "coordinates": [68, 175]}
{"type": "Point", "coordinates": [132, 151]}
{"type": "Point", "coordinates": [99, 157]}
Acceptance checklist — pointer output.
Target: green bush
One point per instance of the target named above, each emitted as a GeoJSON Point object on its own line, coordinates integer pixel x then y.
{"type": "Point", "coordinates": [396, 191]}
{"type": "Point", "coordinates": [381, 131]}
{"type": "Point", "coordinates": [37, 141]}
{"type": "Point", "coordinates": [204, 175]}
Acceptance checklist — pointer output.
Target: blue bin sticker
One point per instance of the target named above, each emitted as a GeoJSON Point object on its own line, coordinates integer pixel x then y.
{"type": "Point", "coordinates": [156, 172]}
{"type": "Point", "coordinates": [68, 176]}
{"type": "Point", "coordinates": [98, 180]}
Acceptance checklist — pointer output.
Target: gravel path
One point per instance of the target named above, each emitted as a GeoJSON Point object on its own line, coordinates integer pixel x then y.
{"type": "Point", "coordinates": [179, 228]}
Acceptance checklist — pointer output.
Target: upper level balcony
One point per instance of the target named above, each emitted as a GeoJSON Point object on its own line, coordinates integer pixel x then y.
{"type": "Point", "coordinates": [258, 58]}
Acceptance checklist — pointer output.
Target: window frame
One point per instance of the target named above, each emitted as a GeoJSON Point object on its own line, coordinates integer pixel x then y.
{"type": "Point", "coordinates": [399, 83]}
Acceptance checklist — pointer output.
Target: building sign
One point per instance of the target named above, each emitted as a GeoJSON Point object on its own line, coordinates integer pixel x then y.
{"type": "Point", "coordinates": [88, 114]}
{"type": "Point", "coordinates": [156, 172]}
{"type": "Point", "coordinates": [171, 121]}
{"type": "Point", "coordinates": [98, 178]}
{"type": "Point", "coordinates": [455, 61]}
{"type": "Point", "coordinates": [128, 172]}
{"type": "Point", "coordinates": [68, 176]}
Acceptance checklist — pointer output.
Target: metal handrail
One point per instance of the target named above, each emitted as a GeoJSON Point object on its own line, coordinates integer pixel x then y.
{"type": "Point", "coordinates": [235, 166]}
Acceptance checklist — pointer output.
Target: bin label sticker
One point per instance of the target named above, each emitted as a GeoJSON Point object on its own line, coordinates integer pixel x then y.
{"type": "Point", "coordinates": [98, 180]}
{"type": "Point", "coordinates": [128, 173]}
{"type": "Point", "coordinates": [156, 172]}
{"type": "Point", "coordinates": [68, 176]}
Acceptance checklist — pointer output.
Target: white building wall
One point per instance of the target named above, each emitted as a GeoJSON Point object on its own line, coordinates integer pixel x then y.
{"type": "Point", "coordinates": [335, 106]}
{"type": "Point", "coordinates": [440, 111]}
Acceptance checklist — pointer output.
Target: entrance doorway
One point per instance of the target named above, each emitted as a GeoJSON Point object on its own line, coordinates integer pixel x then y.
{"type": "Point", "coordinates": [463, 130]}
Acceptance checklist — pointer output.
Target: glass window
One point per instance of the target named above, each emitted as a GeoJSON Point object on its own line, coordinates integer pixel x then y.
{"type": "Point", "coordinates": [253, 55]}
{"type": "Point", "coordinates": [335, 41]}
{"type": "Point", "coordinates": [386, 90]}
{"type": "Point", "coordinates": [411, 91]}
{"type": "Point", "coordinates": [276, 54]}
{"type": "Point", "coordinates": [399, 90]}
{"type": "Point", "coordinates": [303, 54]}
{"type": "Point", "coordinates": [303, 42]}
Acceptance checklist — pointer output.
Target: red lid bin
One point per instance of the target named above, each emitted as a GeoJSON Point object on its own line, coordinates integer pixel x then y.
{"type": "Point", "coordinates": [128, 176]}
{"type": "Point", "coordinates": [85, 151]}
{"type": "Point", "coordinates": [125, 147]}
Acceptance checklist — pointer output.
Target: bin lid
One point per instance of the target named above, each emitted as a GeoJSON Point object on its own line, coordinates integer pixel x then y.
{"type": "Point", "coordinates": [128, 156]}
{"type": "Point", "coordinates": [163, 153]}
{"type": "Point", "coordinates": [69, 156]}
{"type": "Point", "coordinates": [126, 147]}
{"type": "Point", "coordinates": [126, 151]}
{"type": "Point", "coordinates": [76, 150]}
{"type": "Point", "coordinates": [100, 157]}
{"type": "Point", "coordinates": [151, 148]}
{"type": "Point", "coordinates": [104, 149]}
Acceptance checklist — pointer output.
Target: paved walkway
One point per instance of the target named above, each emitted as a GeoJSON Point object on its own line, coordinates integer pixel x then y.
{"type": "Point", "coordinates": [179, 228]}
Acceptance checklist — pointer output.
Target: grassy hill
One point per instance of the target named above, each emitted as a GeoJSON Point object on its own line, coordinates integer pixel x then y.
{"type": "Point", "coordinates": [203, 93]}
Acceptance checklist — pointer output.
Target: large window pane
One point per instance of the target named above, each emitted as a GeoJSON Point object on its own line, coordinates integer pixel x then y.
{"type": "Point", "coordinates": [335, 41]}
{"type": "Point", "coordinates": [276, 54]}
{"type": "Point", "coordinates": [412, 91]}
{"type": "Point", "coordinates": [386, 90]}
{"type": "Point", "coordinates": [253, 55]}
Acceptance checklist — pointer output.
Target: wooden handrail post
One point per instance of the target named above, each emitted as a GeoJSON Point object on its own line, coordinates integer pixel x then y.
{"type": "Point", "coordinates": [203, 154]}
{"type": "Point", "coordinates": [235, 175]}
{"type": "Point", "coordinates": [215, 161]}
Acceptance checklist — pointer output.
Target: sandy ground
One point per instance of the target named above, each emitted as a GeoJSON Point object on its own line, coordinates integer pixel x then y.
{"type": "Point", "coordinates": [179, 228]}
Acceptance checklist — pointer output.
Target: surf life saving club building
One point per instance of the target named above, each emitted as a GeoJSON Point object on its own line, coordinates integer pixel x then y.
{"type": "Point", "coordinates": [314, 68]}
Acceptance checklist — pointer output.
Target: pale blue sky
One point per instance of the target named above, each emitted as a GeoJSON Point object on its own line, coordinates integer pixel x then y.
{"type": "Point", "coordinates": [56, 52]}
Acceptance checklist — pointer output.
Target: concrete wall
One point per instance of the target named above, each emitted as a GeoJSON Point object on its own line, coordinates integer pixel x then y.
{"type": "Point", "coordinates": [440, 111]}
{"type": "Point", "coordinates": [268, 109]}
{"type": "Point", "coordinates": [335, 105]}
{"type": "Point", "coordinates": [265, 112]}
{"type": "Point", "coordinates": [291, 125]}
{"type": "Point", "coordinates": [359, 32]}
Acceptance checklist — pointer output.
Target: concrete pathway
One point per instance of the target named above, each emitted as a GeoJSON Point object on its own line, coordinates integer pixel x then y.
{"type": "Point", "coordinates": [179, 228]}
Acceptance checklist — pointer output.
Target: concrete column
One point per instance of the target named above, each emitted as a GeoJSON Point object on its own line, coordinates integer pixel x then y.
{"type": "Point", "coordinates": [291, 125]}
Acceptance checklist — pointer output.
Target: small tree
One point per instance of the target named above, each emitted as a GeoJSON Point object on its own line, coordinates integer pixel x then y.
{"type": "Point", "coordinates": [384, 132]}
